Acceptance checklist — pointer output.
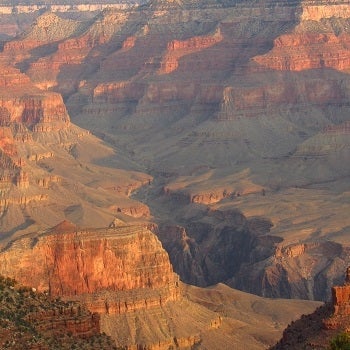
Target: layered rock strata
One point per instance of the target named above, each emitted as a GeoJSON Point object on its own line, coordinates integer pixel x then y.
{"type": "Point", "coordinates": [341, 306]}
{"type": "Point", "coordinates": [103, 68]}
{"type": "Point", "coordinates": [35, 321]}
{"type": "Point", "coordinates": [125, 266]}
{"type": "Point", "coordinates": [43, 155]}
{"type": "Point", "coordinates": [122, 273]}
{"type": "Point", "coordinates": [179, 87]}
{"type": "Point", "coordinates": [320, 329]}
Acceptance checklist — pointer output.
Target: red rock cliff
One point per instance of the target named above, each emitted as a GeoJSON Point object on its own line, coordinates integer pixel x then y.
{"type": "Point", "coordinates": [127, 263]}
{"type": "Point", "coordinates": [341, 297]}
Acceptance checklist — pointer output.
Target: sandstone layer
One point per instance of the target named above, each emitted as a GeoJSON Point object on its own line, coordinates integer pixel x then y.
{"type": "Point", "coordinates": [124, 275]}
{"type": "Point", "coordinates": [229, 106]}
{"type": "Point", "coordinates": [236, 130]}
{"type": "Point", "coordinates": [115, 259]}
{"type": "Point", "coordinates": [49, 163]}
{"type": "Point", "coordinates": [321, 329]}
{"type": "Point", "coordinates": [34, 321]}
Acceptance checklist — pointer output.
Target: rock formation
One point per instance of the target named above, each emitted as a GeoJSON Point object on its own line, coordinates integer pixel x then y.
{"type": "Point", "coordinates": [122, 259]}
{"type": "Point", "coordinates": [239, 110]}
{"type": "Point", "coordinates": [341, 306]}
{"type": "Point", "coordinates": [214, 250]}
{"type": "Point", "coordinates": [42, 154]}
{"type": "Point", "coordinates": [319, 329]}
{"type": "Point", "coordinates": [33, 320]}
{"type": "Point", "coordinates": [124, 275]}
{"type": "Point", "coordinates": [232, 107]}
{"type": "Point", "coordinates": [113, 271]}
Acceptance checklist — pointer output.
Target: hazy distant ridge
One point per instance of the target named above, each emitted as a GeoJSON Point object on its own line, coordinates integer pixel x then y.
{"type": "Point", "coordinates": [8, 7]}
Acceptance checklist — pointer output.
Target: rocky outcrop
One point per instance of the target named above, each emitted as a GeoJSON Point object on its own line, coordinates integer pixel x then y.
{"type": "Point", "coordinates": [189, 190]}
{"type": "Point", "coordinates": [67, 319]}
{"type": "Point", "coordinates": [282, 275]}
{"type": "Point", "coordinates": [321, 328]}
{"type": "Point", "coordinates": [215, 248]}
{"type": "Point", "coordinates": [316, 11]}
{"type": "Point", "coordinates": [121, 273]}
{"type": "Point", "coordinates": [136, 210]}
{"type": "Point", "coordinates": [26, 114]}
{"type": "Point", "coordinates": [64, 65]}
{"type": "Point", "coordinates": [43, 155]}
{"type": "Point", "coordinates": [307, 332]}
{"type": "Point", "coordinates": [12, 77]}
{"type": "Point", "coordinates": [125, 267]}
{"type": "Point", "coordinates": [247, 102]}
{"type": "Point", "coordinates": [38, 111]}
{"type": "Point", "coordinates": [341, 306]}
{"type": "Point", "coordinates": [118, 92]}
{"type": "Point", "coordinates": [177, 49]}
{"type": "Point", "coordinates": [321, 45]}
{"type": "Point", "coordinates": [35, 321]}
{"type": "Point", "coordinates": [329, 51]}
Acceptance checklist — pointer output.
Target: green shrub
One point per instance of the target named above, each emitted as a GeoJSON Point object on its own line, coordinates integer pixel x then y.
{"type": "Point", "coordinates": [340, 342]}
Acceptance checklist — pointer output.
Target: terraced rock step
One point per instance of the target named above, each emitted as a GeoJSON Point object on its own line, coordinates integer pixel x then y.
{"type": "Point", "coordinates": [33, 320]}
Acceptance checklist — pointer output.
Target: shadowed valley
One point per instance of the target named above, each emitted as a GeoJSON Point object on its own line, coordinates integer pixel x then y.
{"type": "Point", "coordinates": [217, 130]}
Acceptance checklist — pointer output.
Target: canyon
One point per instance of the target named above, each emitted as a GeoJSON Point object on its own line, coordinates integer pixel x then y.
{"type": "Point", "coordinates": [217, 130]}
{"type": "Point", "coordinates": [47, 162]}
{"type": "Point", "coordinates": [325, 328]}
{"type": "Point", "coordinates": [124, 277]}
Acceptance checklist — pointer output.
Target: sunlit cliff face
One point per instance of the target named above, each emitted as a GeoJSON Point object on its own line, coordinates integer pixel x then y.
{"type": "Point", "coordinates": [223, 127]}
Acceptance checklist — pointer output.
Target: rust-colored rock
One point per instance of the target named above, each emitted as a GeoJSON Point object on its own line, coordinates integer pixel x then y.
{"type": "Point", "coordinates": [118, 92]}
{"type": "Point", "coordinates": [32, 320]}
{"type": "Point", "coordinates": [341, 305]}
{"type": "Point", "coordinates": [226, 84]}
{"type": "Point", "coordinates": [317, 330]}
{"type": "Point", "coordinates": [177, 49]}
{"type": "Point", "coordinates": [21, 102]}
{"type": "Point", "coordinates": [127, 265]}
{"type": "Point", "coordinates": [314, 51]}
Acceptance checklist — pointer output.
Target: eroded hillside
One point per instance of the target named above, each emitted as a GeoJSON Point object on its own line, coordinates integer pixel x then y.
{"type": "Point", "coordinates": [220, 127]}
{"type": "Point", "coordinates": [231, 108]}
{"type": "Point", "coordinates": [33, 320]}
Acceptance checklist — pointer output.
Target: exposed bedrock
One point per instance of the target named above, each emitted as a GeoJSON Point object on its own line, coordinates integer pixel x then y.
{"type": "Point", "coordinates": [116, 270]}
{"type": "Point", "coordinates": [227, 247]}
{"type": "Point", "coordinates": [34, 321]}
{"type": "Point", "coordinates": [186, 70]}
{"type": "Point", "coordinates": [180, 87]}
{"type": "Point", "coordinates": [325, 326]}
{"type": "Point", "coordinates": [121, 273]}
{"type": "Point", "coordinates": [214, 249]}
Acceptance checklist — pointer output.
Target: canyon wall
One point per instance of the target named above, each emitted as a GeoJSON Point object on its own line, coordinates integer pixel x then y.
{"type": "Point", "coordinates": [43, 155]}
{"type": "Point", "coordinates": [35, 321]}
{"type": "Point", "coordinates": [126, 263]}
{"type": "Point", "coordinates": [121, 274]}
{"type": "Point", "coordinates": [324, 328]}
{"type": "Point", "coordinates": [6, 10]}
{"type": "Point", "coordinates": [257, 94]}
